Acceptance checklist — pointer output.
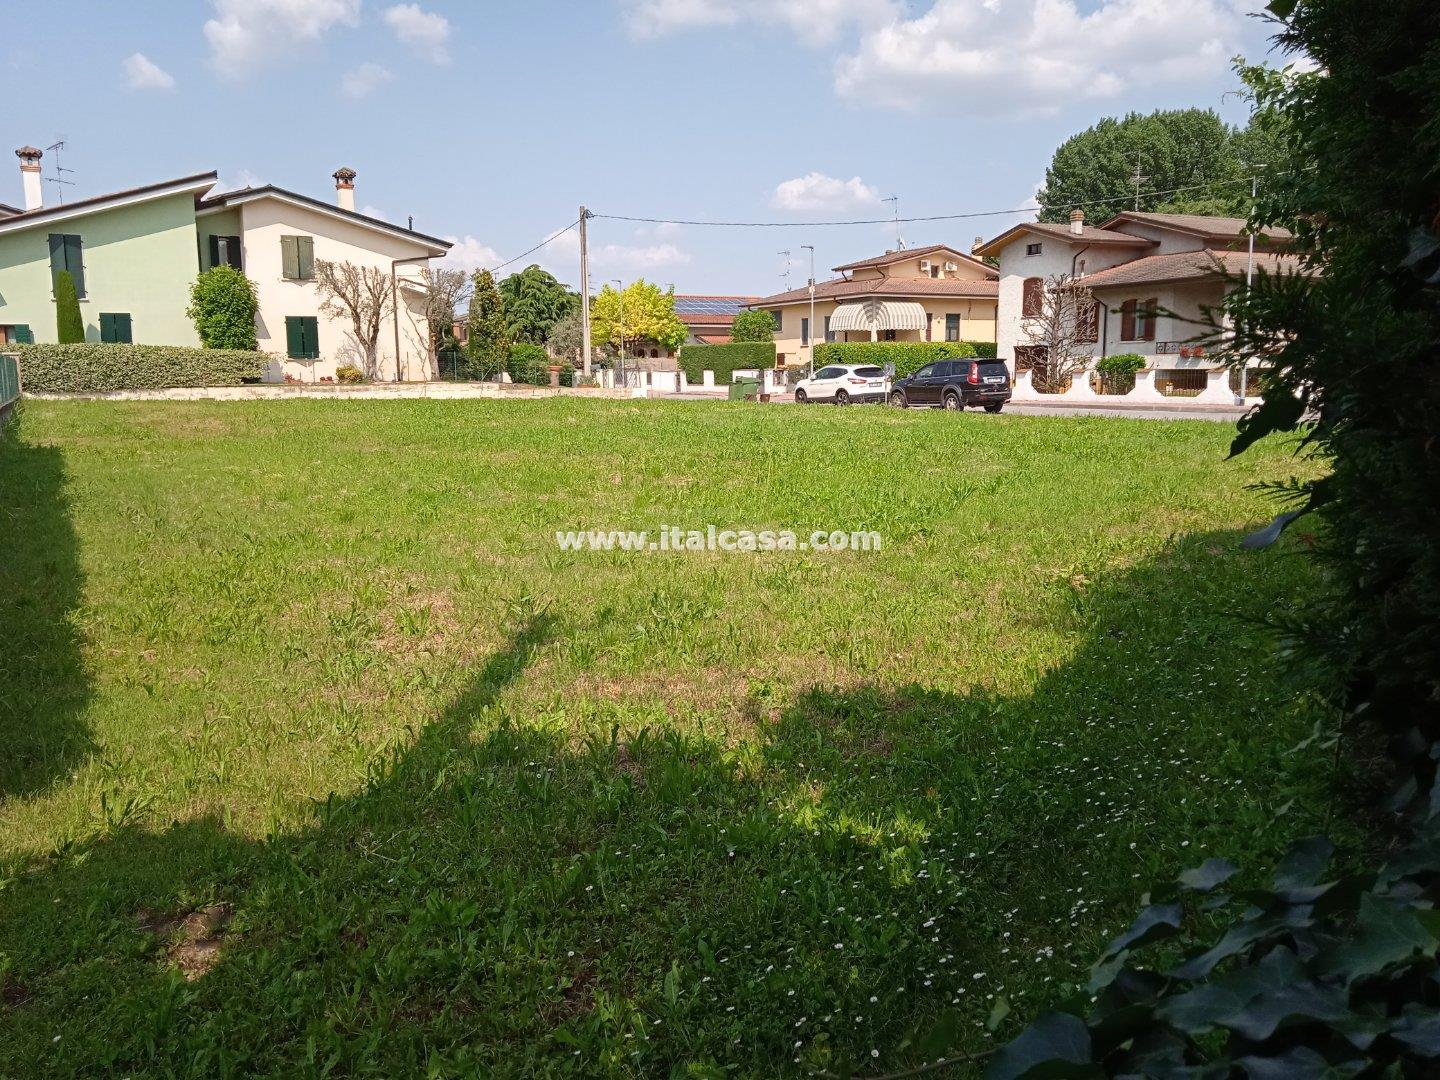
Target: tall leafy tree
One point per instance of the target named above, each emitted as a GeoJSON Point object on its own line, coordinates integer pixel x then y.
{"type": "Point", "coordinates": [567, 337]}
{"type": "Point", "coordinates": [646, 314]}
{"type": "Point", "coordinates": [534, 302]}
{"type": "Point", "coordinates": [753, 326]}
{"type": "Point", "coordinates": [70, 327]}
{"type": "Point", "coordinates": [489, 346]}
{"type": "Point", "coordinates": [1184, 148]}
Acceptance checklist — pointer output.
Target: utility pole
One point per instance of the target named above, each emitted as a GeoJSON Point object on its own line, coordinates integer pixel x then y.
{"type": "Point", "coordinates": [585, 292]}
{"type": "Point", "coordinates": [1138, 178]}
{"type": "Point", "coordinates": [1249, 275]}
{"type": "Point", "coordinates": [811, 248]}
{"type": "Point", "coordinates": [620, 291]}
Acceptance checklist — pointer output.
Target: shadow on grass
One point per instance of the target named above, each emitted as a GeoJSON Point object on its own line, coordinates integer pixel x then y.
{"type": "Point", "coordinates": [507, 899]}
{"type": "Point", "coordinates": [43, 683]}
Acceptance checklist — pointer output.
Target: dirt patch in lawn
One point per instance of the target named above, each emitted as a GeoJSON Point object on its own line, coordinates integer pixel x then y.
{"type": "Point", "coordinates": [193, 941]}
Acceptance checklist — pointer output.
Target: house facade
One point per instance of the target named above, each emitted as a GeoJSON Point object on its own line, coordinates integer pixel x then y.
{"type": "Point", "coordinates": [134, 255]}
{"type": "Point", "coordinates": [709, 319]}
{"type": "Point", "coordinates": [935, 293]}
{"type": "Point", "coordinates": [1153, 278]}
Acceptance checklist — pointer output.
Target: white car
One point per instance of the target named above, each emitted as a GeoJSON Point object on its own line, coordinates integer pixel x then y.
{"type": "Point", "coordinates": [844, 384]}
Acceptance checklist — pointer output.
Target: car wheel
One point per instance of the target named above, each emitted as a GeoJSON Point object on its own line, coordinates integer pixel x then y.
{"type": "Point", "coordinates": [842, 398]}
{"type": "Point", "coordinates": [897, 399]}
{"type": "Point", "coordinates": [996, 407]}
{"type": "Point", "coordinates": [801, 397]}
{"type": "Point", "coordinates": [953, 402]}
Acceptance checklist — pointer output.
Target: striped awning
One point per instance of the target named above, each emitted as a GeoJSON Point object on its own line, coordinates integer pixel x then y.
{"type": "Point", "coordinates": [870, 315]}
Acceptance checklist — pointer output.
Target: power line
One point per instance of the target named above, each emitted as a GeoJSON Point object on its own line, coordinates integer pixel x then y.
{"type": "Point", "coordinates": [910, 220]}
{"type": "Point", "coordinates": [543, 243]}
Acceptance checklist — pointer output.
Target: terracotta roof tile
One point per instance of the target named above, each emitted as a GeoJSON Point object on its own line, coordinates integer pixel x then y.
{"type": "Point", "coordinates": [1188, 266]}
{"type": "Point", "coordinates": [892, 257]}
{"type": "Point", "coordinates": [843, 289]}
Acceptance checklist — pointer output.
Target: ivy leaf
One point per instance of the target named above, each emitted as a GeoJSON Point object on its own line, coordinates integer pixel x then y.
{"type": "Point", "coordinates": [1155, 923]}
{"type": "Point", "coordinates": [941, 1037]}
{"type": "Point", "coordinates": [1201, 1009]}
{"type": "Point", "coordinates": [1209, 875]}
{"type": "Point", "coordinates": [1304, 864]}
{"type": "Point", "coordinates": [1424, 256]}
{"type": "Point", "coordinates": [1282, 9]}
{"type": "Point", "coordinates": [1301, 1002]}
{"type": "Point", "coordinates": [1278, 412]}
{"type": "Point", "coordinates": [1419, 1029]}
{"type": "Point", "coordinates": [998, 1014]}
{"type": "Point", "coordinates": [1055, 1045]}
{"type": "Point", "coordinates": [1104, 972]}
{"type": "Point", "coordinates": [1299, 1063]}
{"type": "Point", "coordinates": [1386, 934]}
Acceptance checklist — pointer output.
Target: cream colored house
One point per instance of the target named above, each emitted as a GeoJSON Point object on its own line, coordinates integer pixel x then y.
{"type": "Point", "coordinates": [134, 254]}
{"type": "Point", "coordinates": [1153, 277]}
{"type": "Point", "coordinates": [935, 293]}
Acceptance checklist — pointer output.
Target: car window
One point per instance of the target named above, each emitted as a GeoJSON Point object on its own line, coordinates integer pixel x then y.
{"type": "Point", "coordinates": [926, 372]}
{"type": "Point", "coordinates": [870, 372]}
{"type": "Point", "coordinates": [944, 369]}
{"type": "Point", "coordinates": [827, 373]}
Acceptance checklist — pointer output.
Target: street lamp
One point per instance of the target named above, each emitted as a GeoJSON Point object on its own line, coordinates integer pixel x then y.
{"type": "Point", "coordinates": [811, 248]}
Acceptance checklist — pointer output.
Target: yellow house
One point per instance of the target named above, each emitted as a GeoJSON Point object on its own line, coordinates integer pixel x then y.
{"type": "Point", "coordinates": [934, 293]}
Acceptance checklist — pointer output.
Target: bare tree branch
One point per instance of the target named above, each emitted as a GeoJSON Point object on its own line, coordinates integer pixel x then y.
{"type": "Point", "coordinates": [364, 295]}
{"type": "Point", "coordinates": [1061, 323]}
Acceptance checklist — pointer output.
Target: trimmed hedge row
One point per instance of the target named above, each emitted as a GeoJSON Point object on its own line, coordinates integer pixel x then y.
{"type": "Point", "coordinates": [95, 368]}
{"type": "Point", "coordinates": [725, 360]}
{"type": "Point", "coordinates": [907, 356]}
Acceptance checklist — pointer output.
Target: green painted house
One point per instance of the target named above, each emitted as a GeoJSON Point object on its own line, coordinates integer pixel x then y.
{"type": "Point", "coordinates": [133, 256]}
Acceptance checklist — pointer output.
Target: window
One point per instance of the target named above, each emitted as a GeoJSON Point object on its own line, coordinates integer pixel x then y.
{"type": "Point", "coordinates": [115, 327]}
{"type": "Point", "coordinates": [1034, 249]}
{"type": "Point", "coordinates": [67, 253]}
{"type": "Point", "coordinates": [779, 317]}
{"type": "Point", "coordinates": [1087, 322]}
{"type": "Point", "coordinates": [829, 334]}
{"type": "Point", "coordinates": [870, 372]}
{"type": "Point", "coordinates": [829, 373]}
{"type": "Point", "coordinates": [302, 337]}
{"type": "Point", "coordinates": [804, 332]}
{"type": "Point", "coordinates": [926, 372]}
{"type": "Point", "coordinates": [225, 251]}
{"type": "Point", "coordinates": [1137, 320]}
{"type": "Point", "coordinates": [297, 258]}
{"type": "Point", "coordinates": [19, 334]}
{"type": "Point", "coordinates": [952, 327]}
{"type": "Point", "coordinates": [887, 335]}
{"type": "Point", "coordinates": [1032, 301]}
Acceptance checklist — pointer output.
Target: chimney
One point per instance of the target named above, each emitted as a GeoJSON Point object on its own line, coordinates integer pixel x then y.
{"type": "Point", "coordinates": [345, 188]}
{"type": "Point", "coordinates": [977, 245]}
{"type": "Point", "coordinates": [30, 176]}
{"type": "Point", "coordinates": [1077, 222]}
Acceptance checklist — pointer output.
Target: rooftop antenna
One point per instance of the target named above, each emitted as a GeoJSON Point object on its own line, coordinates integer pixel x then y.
{"type": "Point", "coordinates": [59, 178]}
{"type": "Point", "coordinates": [899, 240]}
{"type": "Point", "coordinates": [1138, 178]}
{"type": "Point", "coordinates": [786, 275]}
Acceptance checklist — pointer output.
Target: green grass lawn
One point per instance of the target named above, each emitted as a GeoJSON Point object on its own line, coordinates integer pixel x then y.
{"type": "Point", "coordinates": [472, 806]}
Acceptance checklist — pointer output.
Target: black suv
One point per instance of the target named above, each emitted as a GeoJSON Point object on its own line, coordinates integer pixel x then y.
{"type": "Point", "coordinates": [954, 384]}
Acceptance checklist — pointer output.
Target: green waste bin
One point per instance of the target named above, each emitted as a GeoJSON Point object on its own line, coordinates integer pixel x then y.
{"type": "Point", "coordinates": [740, 389]}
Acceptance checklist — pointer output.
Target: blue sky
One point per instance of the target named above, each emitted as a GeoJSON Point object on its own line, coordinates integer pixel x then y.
{"type": "Point", "coordinates": [491, 122]}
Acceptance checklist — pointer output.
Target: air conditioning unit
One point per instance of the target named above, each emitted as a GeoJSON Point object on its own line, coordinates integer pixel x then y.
{"type": "Point", "coordinates": [951, 267]}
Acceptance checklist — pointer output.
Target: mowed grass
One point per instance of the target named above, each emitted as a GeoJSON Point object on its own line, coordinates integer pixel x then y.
{"type": "Point", "coordinates": [469, 805]}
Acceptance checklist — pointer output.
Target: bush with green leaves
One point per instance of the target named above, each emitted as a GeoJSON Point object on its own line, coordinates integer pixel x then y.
{"type": "Point", "coordinates": [753, 326]}
{"type": "Point", "coordinates": [529, 364]}
{"type": "Point", "coordinates": [96, 368]}
{"type": "Point", "coordinates": [725, 360]}
{"type": "Point", "coordinates": [1321, 974]}
{"type": "Point", "coordinates": [907, 356]}
{"type": "Point", "coordinates": [349, 373]}
{"type": "Point", "coordinates": [1117, 373]}
{"type": "Point", "coordinates": [223, 304]}
{"type": "Point", "coordinates": [69, 326]}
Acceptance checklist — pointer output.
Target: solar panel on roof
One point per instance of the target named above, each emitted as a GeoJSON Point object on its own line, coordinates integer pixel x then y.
{"type": "Point", "coordinates": [704, 305]}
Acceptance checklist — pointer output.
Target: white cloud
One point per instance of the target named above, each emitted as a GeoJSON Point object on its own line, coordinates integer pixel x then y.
{"type": "Point", "coordinates": [375, 212]}
{"type": "Point", "coordinates": [638, 259]}
{"type": "Point", "coordinates": [142, 73]}
{"type": "Point", "coordinates": [364, 80]}
{"type": "Point", "coordinates": [818, 22]}
{"type": "Point", "coordinates": [423, 31]}
{"type": "Point", "coordinates": [1036, 56]}
{"type": "Point", "coordinates": [246, 34]}
{"type": "Point", "coordinates": [816, 191]}
{"type": "Point", "coordinates": [469, 254]}
{"type": "Point", "coordinates": [243, 179]}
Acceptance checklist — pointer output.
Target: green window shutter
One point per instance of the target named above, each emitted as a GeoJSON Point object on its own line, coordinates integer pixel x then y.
{"type": "Point", "coordinates": [107, 326]}
{"type": "Point", "coordinates": [311, 326]}
{"type": "Point", "coordinates": [75, 263]}
{"type": "Point", "coordinates": [294, 337]}
{"type": "Point", "coordinates": [122, 328]}
{"type": "Point", "coordinates": [23, 336]}
{"type": "Point", "coordinates": [57, 257]}
{"type": "Point", "coordinates": [214, 251]}
{"type": "Point", "coordinates": [232, 251]}
{"type": "Point", "coordinates": [307, 257]}
{"type": "Point", "coordinates": [290, 257]}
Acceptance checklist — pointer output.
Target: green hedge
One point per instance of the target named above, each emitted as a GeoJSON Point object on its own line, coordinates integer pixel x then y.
{"type": "Point", "coordinates": [725, 360]}
{"type": "Point", "coordinates": [529, 363]}
{"type": "Point", "coordinates": [95, 368]}
{"type": "Point", "coordinates": [907, 356]}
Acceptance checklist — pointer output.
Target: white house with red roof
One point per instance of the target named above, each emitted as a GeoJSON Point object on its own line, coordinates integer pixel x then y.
{"type": "Point", "coordinates": [1153, 277]}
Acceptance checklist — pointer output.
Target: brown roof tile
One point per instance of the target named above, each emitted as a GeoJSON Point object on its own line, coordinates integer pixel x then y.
{"type": "Point", "coordinates": [1089, 236]}
{"type": "Point", "coordinates": [905, 255]}
{"type": "Point", "coordinates": [1200, 224]}
{"type": "Point", "coordinates": [1188, 266]}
